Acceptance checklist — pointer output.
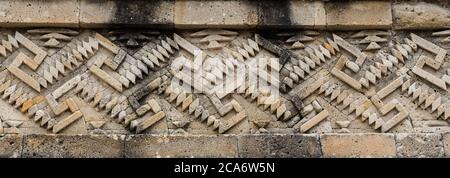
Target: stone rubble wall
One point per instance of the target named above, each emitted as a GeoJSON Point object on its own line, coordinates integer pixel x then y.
{"type": "Point", "coordinates": [239, 14]}
{"type": "Point", "coordinates": [92, 86]}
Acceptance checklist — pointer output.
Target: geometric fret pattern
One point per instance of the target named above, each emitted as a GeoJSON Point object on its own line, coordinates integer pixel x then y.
{"type": "Point", "coordinates": [67, 81]}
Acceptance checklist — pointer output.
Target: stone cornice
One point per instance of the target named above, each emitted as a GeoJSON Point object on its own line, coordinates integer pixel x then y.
{"type": "Point", "coordinates": [235, 14]}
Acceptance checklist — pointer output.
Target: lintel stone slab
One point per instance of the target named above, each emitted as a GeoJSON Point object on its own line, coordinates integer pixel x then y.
{"type": "Point", "coordinates": [298, 145]}
{"type": "Point", "coordinates": [139, 13]}
{"type": "Point", "coordinates": [420, 15]}
{"type": "Point", "coordinates": [354, 15]}
{"type": "Point", "coordinates": [10, 145]}
{"type": "Point", "coordinates": [39, 13]}
{"type": "Point", "coordinates": [358, 145]}
{"type": "Point", "coordinates": [291, 14]}
{"type": "Point", "coordinates": [73, 146]}
{"type": "Point", "coordinates": [180, 146]}
{"type": "Point", "coordinates": [215, 14]}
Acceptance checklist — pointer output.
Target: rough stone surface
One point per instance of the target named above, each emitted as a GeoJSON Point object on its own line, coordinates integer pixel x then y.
{"type": "Point", "coordinates": [279, 146]}
{"type": "Point", "coordinates": [358, 145]}
{"type": "Point", "coordinates": [10, 146]}
{"type": "Point", "coordinates": [446, 143]}
{"type": "Point", "coordinates": [70, 146]}
{"type": "Point", "coordinates": [419, 145]}
{"type": "Point", "coordinates": [351, 15]}
{"type": "Point", "coordinates": [420, 15]}
{"type": "Point", "coordinates": [216, 13]}
{"type": "Point", "coordinates": [180, 146]}
{"type": "Point", "coordinates": [39, 13]}
{"type": "Point", "coordinates": [115, 80]}
{"type": "Point", "coordinates": [104, 13]}
{"type": "Point", "coordinates": [291, 14]}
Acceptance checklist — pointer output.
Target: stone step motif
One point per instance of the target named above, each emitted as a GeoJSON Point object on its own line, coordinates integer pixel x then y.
{"type": "Point", "coordinates": [102, 98]}
{"type": "Point", "coordinates": [131, 116]}
{"type": "Point", "coordinates": [427, 98]}
{"type": "Point", "coordinates": [300, 67]}
{"type": "Point", "coordinates": [143, 123]}
{"type": "Point", "coordinates": [10, 126]}
{"type": "Point", "coordinates": [8, 46]}
{"type": "Point", "coordinates": [54, 37]}
{"type": "Point", "coordinates": [312, 112]}
{"type": "Point", "coordinates": [432, 62]}
{"type": "Point", "coordinates": [383, 108]}
{"type": "Point", "coordinates": [371, 38]}
{"type": "Point", "coordinates": [338, 96]}
{"type": "Point", "coordinates": [214, 38]}
{"type": "Point", "coordinates": [33, 63]}
{"type": "Point", "coordinates": [14, 92]}
{"type": "Point", "coordinates": [207, 81]}
{"type": "Point", "coordinates": [445, 35]}
{"type": "Point", "coordinates": [47, 107]}
{"type": "Point", "coordinates": [345, 62]}
{"type": "Point", "coordinates": [131, 38]}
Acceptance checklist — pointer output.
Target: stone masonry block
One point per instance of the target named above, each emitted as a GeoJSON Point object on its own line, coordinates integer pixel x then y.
{"type": "Point", "coordinates": [215, 14]}
{"type": "Point", "coordinates": [419, 145]}
{"type": "Point", "coordinates": [10, 145]}
{"type": "Point", "coordinates": [358, 145]}
{"type": "Point", "coordinates": [181, 146]}
{"type": "Point", "coordinates": [446, 143]}
{"type": "Point", "coordinates": [306, 145]}
{"type": "Point", "coordinates": [420, 15]}
{"type": "Point", "coordinates": [104, 13]}
{"type": "Point", "coordinates": [291, 14]}
{"type": "Point", "coordinates": [69, 146]}
{"type": "Point", "coordinates": [352, 15]}
{"type": "Point", "coordinates": [39, 13]}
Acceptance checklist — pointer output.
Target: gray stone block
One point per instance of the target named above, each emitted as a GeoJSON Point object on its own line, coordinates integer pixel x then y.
{"type": "Point", "coordinates": [10, 145]}
{"type": "Point", "coordinates": [306, 145]}
{"type": "Point", "coordinates": [419, 145]}
{"type": "Point", "coordinates": [180, 146]}
{"type": "Point", "coordinates": [73, 146]}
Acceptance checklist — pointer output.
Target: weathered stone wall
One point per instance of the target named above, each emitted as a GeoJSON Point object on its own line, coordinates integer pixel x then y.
{"type": "Point", "coordinates": [355, 78]}
{"type": "Point", "coordinates": [330, 15]}
{"type": "Point", "coordinates": [232, 146]}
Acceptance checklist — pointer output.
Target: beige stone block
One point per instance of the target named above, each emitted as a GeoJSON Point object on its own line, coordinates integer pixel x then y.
{"type": "Point", "coordinates": [350, 15]}
{"type": "Point", "coordinates": [420, 15]}
{"type": "Point", "coordinates": [39, 13]}
{"type": "Point", "coordinates": [104, 13]}
{"type": "Point", "coordinates": [215, 14]}
{"type": "Point", "coordinates": [358, 145]}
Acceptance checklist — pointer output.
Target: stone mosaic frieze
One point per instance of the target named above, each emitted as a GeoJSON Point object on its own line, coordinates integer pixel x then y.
{"type": "Point", "coordinates": [82, 81]}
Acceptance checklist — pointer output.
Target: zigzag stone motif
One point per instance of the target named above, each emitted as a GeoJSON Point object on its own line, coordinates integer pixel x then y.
{"type": "Point", "coordinates": [69, 82]}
